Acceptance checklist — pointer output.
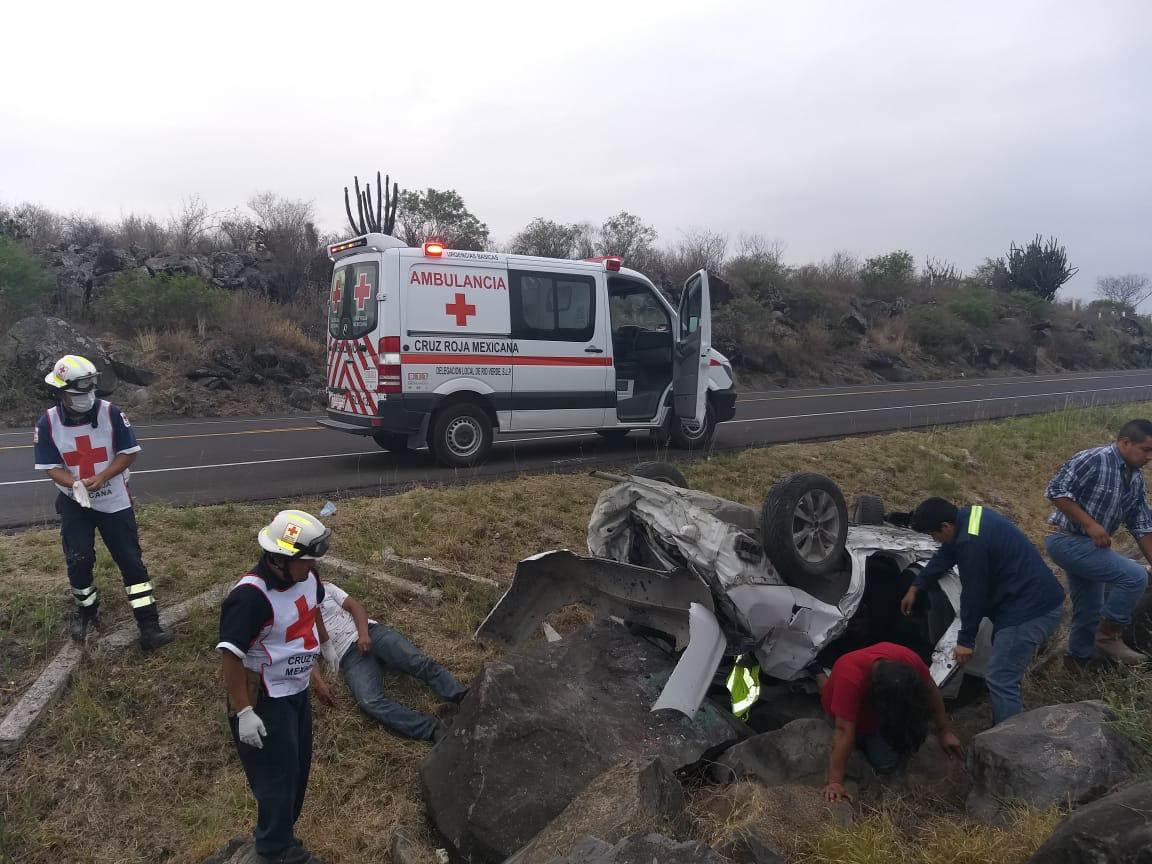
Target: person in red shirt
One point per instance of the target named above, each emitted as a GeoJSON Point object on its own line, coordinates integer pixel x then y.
{"type": "Point", "coordinates": [881, 699]}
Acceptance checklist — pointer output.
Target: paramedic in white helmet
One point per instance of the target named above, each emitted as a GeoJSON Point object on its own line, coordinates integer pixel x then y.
{"type": "Point", "coordinates": [270, 636]}
{"type": "Point", "coordinates": [86, 445]}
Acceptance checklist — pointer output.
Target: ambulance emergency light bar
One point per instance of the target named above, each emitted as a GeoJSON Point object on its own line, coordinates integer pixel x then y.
{"type": "Point", "coordinates": [346, 245]}
{"type": "Point", "coordinates": [610, 262]}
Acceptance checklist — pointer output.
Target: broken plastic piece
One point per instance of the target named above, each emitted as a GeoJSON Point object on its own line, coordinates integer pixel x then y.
{"type": "Point", "coordinates": [328, 509]}
{"type": "Point", "coordinates": [688, 684]}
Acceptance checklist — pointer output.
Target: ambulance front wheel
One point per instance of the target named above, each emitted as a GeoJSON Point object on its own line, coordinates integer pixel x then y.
{"type": "Point", "coordinates": [461, 435]}
{"type": "Point", "coordinates": [689, 435]}
{"type": "Point", "coordinates": [392, 442]}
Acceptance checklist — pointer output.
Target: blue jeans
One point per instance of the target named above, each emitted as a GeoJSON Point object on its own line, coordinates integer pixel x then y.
{"type": "Point", "coordinates": [365, 676]}
{"type": "Point", "coordinates": [1091, 568]}
{"type": "Point", "coordinates": [1012, 650]}
{"type": "Point", "coordinates": [881, 755]}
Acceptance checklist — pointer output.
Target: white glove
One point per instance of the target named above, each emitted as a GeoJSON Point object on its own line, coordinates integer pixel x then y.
{"type": "Point", "coordinates": [252, 728]}
{"type": "Point", "coordinates": [328, 652]}
{"type": "Point", "coordinates": [80, 494]}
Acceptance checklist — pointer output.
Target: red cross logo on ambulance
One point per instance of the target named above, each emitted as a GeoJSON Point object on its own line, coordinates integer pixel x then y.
{"type": "Point", "coordinates": [361, 292]}
{"type": "Point", "coordinates": [462, 310]}
{"type": "Point", "coordinates": [337, 290]}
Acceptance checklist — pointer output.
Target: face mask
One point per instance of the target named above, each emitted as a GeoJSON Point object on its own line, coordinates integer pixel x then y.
{"type": "Point", "coordinates": [79, 403]}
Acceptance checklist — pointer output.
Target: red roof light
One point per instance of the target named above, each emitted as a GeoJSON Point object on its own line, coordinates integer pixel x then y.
{"type": "Point", "coordinates": [433, 250]}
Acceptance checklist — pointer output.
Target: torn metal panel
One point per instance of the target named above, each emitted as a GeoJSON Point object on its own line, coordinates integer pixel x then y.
{"type": "Point", "coordinates": [688, 684]}
{"type": "Point", "coordinates": [552, 580]}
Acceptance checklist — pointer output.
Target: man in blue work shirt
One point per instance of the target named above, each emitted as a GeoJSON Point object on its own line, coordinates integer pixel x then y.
{"type": "Point", "coordinates": [1003, 578]}
{"type": "Point", "coordinates": [1093, 493]}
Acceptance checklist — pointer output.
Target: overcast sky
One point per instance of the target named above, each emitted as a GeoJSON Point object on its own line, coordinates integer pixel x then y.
{"type": "Point", "coordinates": [862, 126]}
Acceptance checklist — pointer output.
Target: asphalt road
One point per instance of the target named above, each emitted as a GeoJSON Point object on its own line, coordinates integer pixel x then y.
{"type": "Point", "coordinates": [207, 461]}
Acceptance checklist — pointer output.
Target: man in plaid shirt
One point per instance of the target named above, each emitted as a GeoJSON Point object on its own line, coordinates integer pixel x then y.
{"type": "Point", "coordinates": [1093, 493]}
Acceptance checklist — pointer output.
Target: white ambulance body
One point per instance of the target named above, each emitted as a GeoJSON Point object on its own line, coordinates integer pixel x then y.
{"type": "Point", "coordinates": [443, 347]}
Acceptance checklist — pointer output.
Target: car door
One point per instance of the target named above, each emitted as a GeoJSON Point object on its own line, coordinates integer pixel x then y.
{"type": "Point", "coordinates": [693, 342]}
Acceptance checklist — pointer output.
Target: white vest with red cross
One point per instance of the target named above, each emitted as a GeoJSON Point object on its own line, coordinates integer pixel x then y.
{"type": "Point", "coordinates": [86, 452]}
{"type": "Point", "coordinates": [284, 651]}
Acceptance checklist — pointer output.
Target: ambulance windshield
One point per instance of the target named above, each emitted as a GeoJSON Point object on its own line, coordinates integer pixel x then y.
{"type": "Point", "coordinates": [352, 304]}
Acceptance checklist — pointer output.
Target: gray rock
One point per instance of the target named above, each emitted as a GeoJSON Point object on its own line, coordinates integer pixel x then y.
{"type": "Point", "coordinates": [227, 265]}
{"type": "Point", "coordinates": [254, 279]}
{"type": "Point", "coordinates": [1116, 829]}
{"type": "Point", "coordinates": [133, 374]}
{"type": "Point", "coordinates": [33, 344]}
{"type": "Point", "coordinates": [631, 798]}
{"type": "Point", "coordinates": [542, 723]}
{"type": "Point", "coordinates": [112, 261]}
{"type": "Point", "coordinates": [217, 384]}
{"type": "Point", "coordinates": [853, 324]}
{"type": "Point", "coordinates": [640, 849]}
{"type": "Point", "coordinates": [72, 285]}
{"type": "Point", "coordinates": [238, 850]}
{"type": "Point", "coordinates": [1059, 755]}
{"type": "Point", "coordinates": [797, 754]}
{"type": "Point", "coordinates": [170, 265]}
{"type": "Point", "coordinates": [300, 397]}
{"type": "Point", "coordinates": [266, 357]}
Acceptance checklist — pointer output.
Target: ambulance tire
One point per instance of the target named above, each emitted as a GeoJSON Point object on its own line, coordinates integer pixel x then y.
{"type": "Point", "coordinates": [392, 442]}
{"type": "Point", "coordinates": [461, 435]}
{"type": "Point", "coordinates": [693, 437]}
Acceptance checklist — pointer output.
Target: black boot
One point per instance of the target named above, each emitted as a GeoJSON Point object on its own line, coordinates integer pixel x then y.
{"type": "Point", "coordinates": [84, 621]}
{"type": "Point", "coordinates": [153, 636]}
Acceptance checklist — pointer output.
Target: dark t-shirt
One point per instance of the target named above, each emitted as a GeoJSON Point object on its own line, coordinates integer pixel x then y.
{"type": "Point", "coordinates": [849, 684]}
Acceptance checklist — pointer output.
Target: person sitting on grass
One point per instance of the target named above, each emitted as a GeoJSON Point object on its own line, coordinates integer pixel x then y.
{"type": "Point", "coordinates": [882, 699]}
{"type": "Point", "coordinates": [365, 649]}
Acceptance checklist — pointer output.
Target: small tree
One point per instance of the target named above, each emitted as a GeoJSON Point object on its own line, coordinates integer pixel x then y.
{"type": "Point", "coordinates": [286, 229]}
{"type": "Point", "coordinates": [992, 274]}
{"type": "Point", "coordinates": [888, 275]}
{"type": "Point", "coordinates": [437, 214]}
{"type": "Point", "coordinates": [24, 285]}
{"type": "Point", "coordinates": [547, 239]}
{"type": "Point", "coordinates": [1127, 291]}
{"type": "Point", "coordinates": [1039, 268]}
{"type": "Point", "coordinates": [625, 235]}
{"type": "Point", "coordinates": [759, 265]}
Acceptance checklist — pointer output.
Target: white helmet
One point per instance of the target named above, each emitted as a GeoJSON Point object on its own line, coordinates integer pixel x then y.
{"type": "Point", "coordinates": [73, 374]}
{"type": "Point", "coordinates": [295, 534]}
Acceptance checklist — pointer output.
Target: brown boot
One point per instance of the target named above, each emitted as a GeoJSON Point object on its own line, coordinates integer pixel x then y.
{"type": "Point", "coordinates": [1110, 644]}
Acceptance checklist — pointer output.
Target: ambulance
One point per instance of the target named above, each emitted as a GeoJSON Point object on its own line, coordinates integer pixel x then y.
{"type": "Point", "coordinates": [443, 347]}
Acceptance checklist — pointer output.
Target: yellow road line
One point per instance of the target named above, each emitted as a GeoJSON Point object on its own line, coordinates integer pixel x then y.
{"type": "Point", "coordinates": [200, 435]}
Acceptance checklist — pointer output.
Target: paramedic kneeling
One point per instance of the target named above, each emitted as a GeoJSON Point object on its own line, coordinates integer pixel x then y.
{"type": "Point", "coordinates": [881, 699]}
{"type": "Point", "coordinates": [270, 634]}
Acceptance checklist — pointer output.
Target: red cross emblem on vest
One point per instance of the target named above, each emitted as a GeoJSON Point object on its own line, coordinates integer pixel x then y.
{"type": "Point", "coordinates": [362, 292]}
{"type": "Point", "coordinates": [305, 626]}
{"type": "Point", "coordinates": [462, 309]}
{"type": "Point", "coordinates": [85, 456]}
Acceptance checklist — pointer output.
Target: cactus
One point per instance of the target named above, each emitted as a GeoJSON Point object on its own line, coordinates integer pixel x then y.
{"type": "Point", "coordinates": [383, 220]}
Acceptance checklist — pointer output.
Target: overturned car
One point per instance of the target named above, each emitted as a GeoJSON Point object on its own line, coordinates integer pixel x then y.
{"type": "Point", "coordinates": [789, 588]}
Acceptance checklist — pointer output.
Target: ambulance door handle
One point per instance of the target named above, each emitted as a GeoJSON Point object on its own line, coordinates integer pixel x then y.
{"type": "Point", "coordinates": [592, 349]}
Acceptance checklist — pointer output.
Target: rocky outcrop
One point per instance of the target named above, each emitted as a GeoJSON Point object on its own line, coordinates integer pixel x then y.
{"type": "Point", "coordinates": [640, 849]}
{"type": "Point", "coordinates": [33, 344]}
{"type": "Point", "coordinates": [796, 754]}
{"type": "Point", "coordinates": [1059, 755]}
{"type": "Point", "coordinates": [541, 724]}
{"type": "Point", "coordinates": [1116, 829]}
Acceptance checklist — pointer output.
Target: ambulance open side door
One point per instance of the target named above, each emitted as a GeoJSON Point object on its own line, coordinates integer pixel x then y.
{"type": "Point", "coordinates": [693, 344]}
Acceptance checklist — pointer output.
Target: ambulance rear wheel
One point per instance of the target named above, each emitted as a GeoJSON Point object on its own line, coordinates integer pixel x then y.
{"type": "Point", "coordinates": [461, 435]}
{"type": "Point", "coordinates": [391, 442]}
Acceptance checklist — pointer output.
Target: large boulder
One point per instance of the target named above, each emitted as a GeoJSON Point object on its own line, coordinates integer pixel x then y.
{"type": "Point", "coordinates": [1117, 829]}
{"type": "Point", "coordinates": [542, 723]}
{"type": "Point", "coordinates": [33, 344]}
{"type": "Point", "coordinates": [630, 798]}
{"type": "Point", "coordinates": [1059, 755]}
{"type": "Point", "coordinates": [797, 754]}
{"type": "Point", "coordinates": [113, 261]}
{"type": "Point", "coordinates": [226, 266]}
{"type": "Point", "coordinates": [72, 287]}
{"type": "Point", "coordinates": [170, 265]}
{"type": "Point", "coordinates": [640, 849]}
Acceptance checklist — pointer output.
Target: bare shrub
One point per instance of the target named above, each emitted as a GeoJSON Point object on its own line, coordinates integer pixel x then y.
{"type": "Point", "coordinates": [141, 231]}
{"type": "Point", "coordinates": [285, 227]}
{"type": "Point", "coordinates": [191, 226]}
{"type": "Point", "coordinates": [891, 336]}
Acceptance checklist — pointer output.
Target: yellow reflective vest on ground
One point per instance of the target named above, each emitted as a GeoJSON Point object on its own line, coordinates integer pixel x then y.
{"type": "Point", "coordinates": [744, 687]}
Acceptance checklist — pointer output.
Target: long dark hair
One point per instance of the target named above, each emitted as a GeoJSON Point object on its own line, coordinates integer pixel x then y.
{"type": "Point", "coordinates": [900, 700]}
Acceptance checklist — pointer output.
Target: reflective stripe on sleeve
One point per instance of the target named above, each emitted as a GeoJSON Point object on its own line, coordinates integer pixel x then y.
{"type": "Point", "coordinates": [974, 517]}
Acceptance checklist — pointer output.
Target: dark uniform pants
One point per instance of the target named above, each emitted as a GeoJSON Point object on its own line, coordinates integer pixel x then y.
{"type": "Point", "coordinates": [278, 773]}
{"type": "Point", "coordinates": [78, 527]}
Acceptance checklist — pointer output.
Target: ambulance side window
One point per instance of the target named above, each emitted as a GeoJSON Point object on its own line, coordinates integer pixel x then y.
{"type": "Point", "coordinates": [352, 300]}
{"type": "Point", "coordinates": [552, 306]}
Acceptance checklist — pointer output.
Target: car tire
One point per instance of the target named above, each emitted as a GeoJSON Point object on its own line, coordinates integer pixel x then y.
{"type": "Point", "coordinates": [660, 471]}
{"type": "Point", "coordinates": [461, 435]}
{"type": "Point", "coordinates": [804, 525]}
{"type": "Point", "coordinates": [688, 436]}
{"type": "Point", "coordinates": [391, 441]}
{"type": "Point", "coordinates": [613, 434]}
{"type": "Point", "coordinates": [868, 510]}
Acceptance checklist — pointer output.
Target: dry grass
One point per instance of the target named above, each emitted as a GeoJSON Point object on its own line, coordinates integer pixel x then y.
{"type": "Point", "coordinates": [134, 764]}
{"type": "Point", "coordinates": [250, 321]}
{"type": "Point", "coordinates": [891, 336]}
